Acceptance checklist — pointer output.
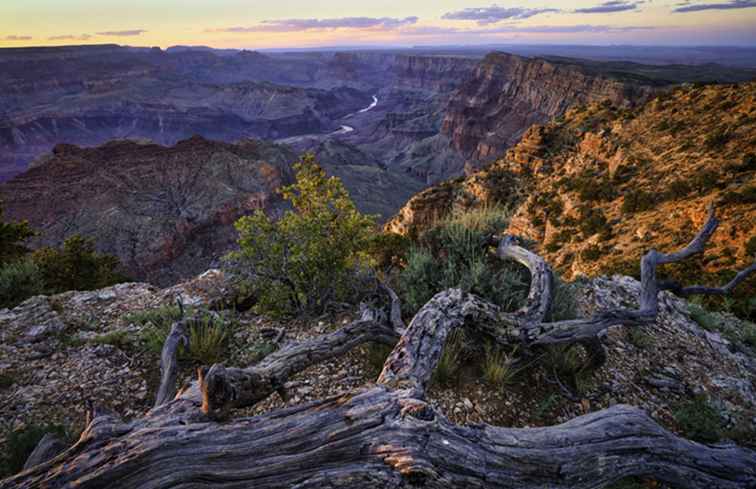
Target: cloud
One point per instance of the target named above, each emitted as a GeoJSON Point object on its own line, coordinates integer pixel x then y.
{"type": "Point", "coordinates": [608, 7]}
{"type": "Point", "coordinates": [17, 38]}
{"type": "Point", "coordinates": [494, 14]}
{"type": "Point", "coordinates": [70, 37]}
{"type": "Point", "coordinates": [130, 33]}
{"type": "Point", "coordinates": [515, 29]}
{"type": "Point", "coordinates": [294, 25]}
{"type": "Point", "coordinates": [733, 4]}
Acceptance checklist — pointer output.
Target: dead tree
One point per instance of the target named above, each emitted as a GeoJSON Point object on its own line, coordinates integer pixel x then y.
{"type": "Point", "coordinates": [386, 434]}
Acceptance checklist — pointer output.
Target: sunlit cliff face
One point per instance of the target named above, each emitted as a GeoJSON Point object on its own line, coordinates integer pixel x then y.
{"type": "Point", "coordinates": [299, 23]}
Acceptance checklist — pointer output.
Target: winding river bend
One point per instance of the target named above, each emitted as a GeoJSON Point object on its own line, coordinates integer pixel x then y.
{"type": "Point", "coordinates": [347, 129]}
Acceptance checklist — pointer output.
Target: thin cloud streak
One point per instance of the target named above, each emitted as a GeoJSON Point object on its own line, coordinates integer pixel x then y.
{"type": "Point", "coordinates": [17, 38]}
{"type": "Point", "coordinates": [129, 33]}
{"type": "Point", "coordinates": [735, 4]}
{"type": "Point", "coordinates": [70, 37]}
{"type": "Point", "coordinates": [514, 29]}
{"type": "Point", "coordinates": [608, 7]}
{"type": "Point", "coordinates": [296, 25]}
{"type": "Point", "coordinates": [494, 14]}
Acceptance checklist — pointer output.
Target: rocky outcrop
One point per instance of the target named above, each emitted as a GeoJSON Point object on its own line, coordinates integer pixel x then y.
{"type": "Point", "coordinates": [507, 94]}
{"type": "Point", "coordinates": [597, 188]}
{"type": "Point", "coordinates": [166, 212]}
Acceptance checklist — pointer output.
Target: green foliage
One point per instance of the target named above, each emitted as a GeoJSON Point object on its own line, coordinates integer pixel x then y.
{"type": "Point", "coordinates": [21, 443]}
{"type": "Point", "coordinates": [639, 338]}
{"type": "Point", "coordinates": [455, 253]}
{"type": "Point", "coordinates": [306, 260]}
{"type": "Point", "coordinates": [208, 335]}
{"type": "Point", "coordinates": [76, 266]}
{"type": "Point", "coordinates": [376, 355]}
{"type": "Point", "coordinates": [745, 196]}
{"type": "Point", "coordinates": [591, 253]}
{"type": "Point", "coordinates": [498, 365]}
{"type": "Point", "coordinates": [564, 304]}
{"type": "Point", "coordinates": [750, 247]}
{"type": "Point", "coordinates": [717, 138]}
{"type": "Point", "coordinates": [546, 406]}
{"type": "Point", "coordinates": [388, 251]}
{"type": "Point", "coordinates": [678, 189]}
{"type": "Point", "coordinates": [638, 201]}
{"type": "Point", "coordinates": [698, 420]}
{"type": "Point", "coordinates": [592, 187]}
{"type": "Point", "coordinates": [119, 339]}
{"type": "Point", "coordinates": [447, 369]}
{"type": "Point", "coordinates": [6, 380]}
{"type": "Point", "coordinates": [207, 341]}
{"type": "Point", "coordinates": [18, 281]}
{"type": "Point", "coordinates": [593, 221]}
{"type": "Point", "coordinates": [704, 318]}
{"type": "Point", "coordinates": [12, 237]}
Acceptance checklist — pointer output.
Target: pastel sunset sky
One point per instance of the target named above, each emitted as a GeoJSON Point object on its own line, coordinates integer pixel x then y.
{"type": "Point", "coordinates": [309, 23]}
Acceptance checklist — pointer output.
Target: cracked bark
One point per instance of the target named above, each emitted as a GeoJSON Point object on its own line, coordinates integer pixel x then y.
{"type": "Point", "coordinates": [386, 434]}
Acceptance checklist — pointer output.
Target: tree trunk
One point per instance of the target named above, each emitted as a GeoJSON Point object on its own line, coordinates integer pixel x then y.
{"type": "Point", "coordinates": [386, 435]}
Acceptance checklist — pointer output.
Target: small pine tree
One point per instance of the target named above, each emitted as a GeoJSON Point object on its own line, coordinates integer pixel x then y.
{"type": "Point", "coordinates": [12, 237]}
{"type": "Point", "coordinates": [308, 258]}
{"type": "Point", "coordinates": [76, 266]}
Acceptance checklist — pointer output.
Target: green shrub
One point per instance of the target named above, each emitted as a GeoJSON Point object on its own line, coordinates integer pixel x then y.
{"type": "Point", "coordinates": [698, 420]}
{"type": "Point", "coordinates": [717, 138]}
{"type": "Point", "coordinates": [12, 237]}
{"type": "Point", "coordinates": [591, 253]}
{"type": "Point", "coordinates": [546, 406]}
{"type": "Point", "coordinates": [705, 319]}
{"type": "Point", "coordinates": [448, 366]}
{"type": "Point", "coordinates": [376, 355]}
{"type": "Point", "coordinates": [164, 315]}
{"type": "Point", "coordinates": [750, 247]}
{"type": "Point", "coordinates": [207, 341]}
{"type": "Point", "coordinates": [639, 338]}
{"type": "Point", "coordinates": [745, 196]}
{"type": "Point", "coordinates": [18, 281]}
{"type": "Point", "coordinates": [455, 253]}
{"type": "Point", "coordinates": [593, 221]}
{"type": "Point", "coordinates": [20, 444]}
{"type": "Point", "coordinates": [638, 201]}
{"type": "Point", "coordinates": [208, 335]}
{"type": "Point", "coordinates": [564, 305]}
{"type": "Point", "coordinates": [498, 365]}
{"type": "Point", "coordinates": [76, 266]}
{"type": "Point", "coordinates": [6, 380]}
{"type": "Point", "coordinates": [309, 258]}
{"type": "Point", "coordinates": [678, 189]}
{"type": "Point", "coordinates": [119, 339]}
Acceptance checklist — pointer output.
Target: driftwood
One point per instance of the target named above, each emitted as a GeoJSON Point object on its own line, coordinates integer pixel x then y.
{"type": "Point", "coordinates": [386, 434]}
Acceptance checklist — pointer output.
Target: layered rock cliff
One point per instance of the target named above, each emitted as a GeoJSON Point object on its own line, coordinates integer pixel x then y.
{"type": "Point", "coordinates": [507, 94]}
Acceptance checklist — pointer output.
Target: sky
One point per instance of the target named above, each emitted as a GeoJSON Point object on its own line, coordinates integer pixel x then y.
{"type": "Point", "coordinates": [312, 23]}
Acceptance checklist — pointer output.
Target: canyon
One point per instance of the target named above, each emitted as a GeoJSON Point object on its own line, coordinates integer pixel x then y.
{"type": "Point", "coordinates": [154, 153]}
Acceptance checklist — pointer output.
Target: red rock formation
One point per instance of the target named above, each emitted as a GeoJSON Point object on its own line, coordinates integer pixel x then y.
{"type": "Point", "coordinates": [508, 93]}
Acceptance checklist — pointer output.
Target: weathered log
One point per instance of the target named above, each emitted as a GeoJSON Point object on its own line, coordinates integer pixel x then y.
{"type": "Point", "coordinates": [169, 361]}
{"type": "Point", "coordinates": [387, 435]}
{"type": "Point", "coordinates": [47, 448]}
{"type": "Point", "coordinates": [380, 437]}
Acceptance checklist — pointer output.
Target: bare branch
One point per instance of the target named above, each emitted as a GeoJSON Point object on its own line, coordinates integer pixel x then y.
{"type": "Point", "coordinates": [169, 361]}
